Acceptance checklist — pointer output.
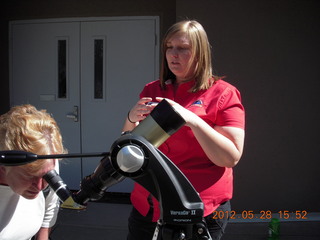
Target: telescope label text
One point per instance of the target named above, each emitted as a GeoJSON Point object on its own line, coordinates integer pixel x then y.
{"type": "Point", "coordinates": [182, 213]}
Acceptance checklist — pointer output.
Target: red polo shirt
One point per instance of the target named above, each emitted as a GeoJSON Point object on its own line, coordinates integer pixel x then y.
{"type": "Point", "coordinates": [219, 105]}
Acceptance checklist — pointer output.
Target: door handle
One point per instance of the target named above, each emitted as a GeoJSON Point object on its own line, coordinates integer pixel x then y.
{"type": "Point", "coordinates": [74, 115]}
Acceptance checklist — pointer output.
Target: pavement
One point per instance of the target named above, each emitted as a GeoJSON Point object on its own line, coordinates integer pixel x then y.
{"type": "Point", "coordinates": [108, 221]}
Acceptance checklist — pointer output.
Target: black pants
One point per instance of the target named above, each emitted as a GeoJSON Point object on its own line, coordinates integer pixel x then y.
{"type": "Point", "coordinates": [142, 228]}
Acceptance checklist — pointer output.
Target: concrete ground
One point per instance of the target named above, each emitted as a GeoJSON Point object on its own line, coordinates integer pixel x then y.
{"type": "Point", "coordinates": [108, 221]}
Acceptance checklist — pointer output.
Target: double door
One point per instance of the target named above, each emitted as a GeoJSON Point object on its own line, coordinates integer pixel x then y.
{"type": "Point", "coordinates": [87, 73]}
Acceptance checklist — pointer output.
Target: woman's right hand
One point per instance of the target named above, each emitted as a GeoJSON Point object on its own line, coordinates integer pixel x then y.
{"type": "Point", "coordinates": [140, 110]}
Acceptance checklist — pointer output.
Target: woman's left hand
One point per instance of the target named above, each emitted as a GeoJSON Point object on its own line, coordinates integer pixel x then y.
{"type": "Point", "coordinates": [187, 115]}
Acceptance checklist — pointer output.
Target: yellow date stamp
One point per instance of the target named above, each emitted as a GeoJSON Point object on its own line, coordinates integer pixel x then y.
{"type": "Point", "coordinates": [262, 215]}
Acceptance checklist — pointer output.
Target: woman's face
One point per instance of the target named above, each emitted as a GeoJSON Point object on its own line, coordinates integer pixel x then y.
{"type": "Point", "coordinates": [178, 55]}
{"type": "Point", "coordinates": [25, 183]}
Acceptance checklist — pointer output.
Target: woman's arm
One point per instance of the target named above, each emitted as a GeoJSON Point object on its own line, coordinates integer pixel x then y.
{"type": "Point", "coordinates": [223, 145]}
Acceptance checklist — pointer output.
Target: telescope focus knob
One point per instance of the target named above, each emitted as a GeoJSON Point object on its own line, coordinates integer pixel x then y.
{"type": "Point", "coordinates": [130, 158]}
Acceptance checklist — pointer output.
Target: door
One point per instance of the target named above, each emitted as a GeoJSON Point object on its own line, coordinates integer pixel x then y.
{"type": "Point", "coordinates": [88, 73]}
{"type": "Point", "coordinates": [126, 52]}
{"type": "Point", "coordinates": [34, 79]}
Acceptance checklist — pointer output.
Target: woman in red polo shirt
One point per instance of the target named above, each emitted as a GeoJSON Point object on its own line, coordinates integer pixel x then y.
{"type": "Point", "coordinates": [210, 143]}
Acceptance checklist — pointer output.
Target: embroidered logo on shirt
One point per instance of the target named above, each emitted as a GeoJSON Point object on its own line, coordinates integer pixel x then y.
{"type": "Point", "coordinates": [197, 103]}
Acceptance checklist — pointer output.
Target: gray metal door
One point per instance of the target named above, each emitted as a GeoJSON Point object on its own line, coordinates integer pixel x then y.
{"type": "Point", "coordinates": [88, 74]}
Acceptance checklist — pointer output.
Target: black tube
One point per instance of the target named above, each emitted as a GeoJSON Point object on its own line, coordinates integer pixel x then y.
{"type": "Point", "coordinates": [58, 185]}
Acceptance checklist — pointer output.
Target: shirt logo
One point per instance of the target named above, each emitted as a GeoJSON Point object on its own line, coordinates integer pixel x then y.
{"type": "Point", "coordinates": [197, 103]}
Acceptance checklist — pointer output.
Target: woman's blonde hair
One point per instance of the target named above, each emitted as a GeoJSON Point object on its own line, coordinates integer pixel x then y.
{"type": "Point", "coordinates": [201, 54]}
{"type": "Point", "coordinates": [27, 129]}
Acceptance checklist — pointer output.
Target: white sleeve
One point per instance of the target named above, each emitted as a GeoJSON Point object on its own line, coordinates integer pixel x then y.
{"type": "Point", "coordinates": [52, 205]}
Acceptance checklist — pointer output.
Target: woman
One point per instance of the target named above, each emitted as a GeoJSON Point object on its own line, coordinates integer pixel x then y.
{"type": "Point", "coordinates": [210, 143]}
{"type": "Point", "coordinates": [25, 211]}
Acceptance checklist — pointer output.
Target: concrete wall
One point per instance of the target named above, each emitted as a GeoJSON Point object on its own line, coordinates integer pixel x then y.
{"type": "Point", "coordinates": [270, 50]}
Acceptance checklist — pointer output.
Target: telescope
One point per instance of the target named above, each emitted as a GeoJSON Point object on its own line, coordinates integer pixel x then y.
{"type": "Point", "coordinates": [135, 155]}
